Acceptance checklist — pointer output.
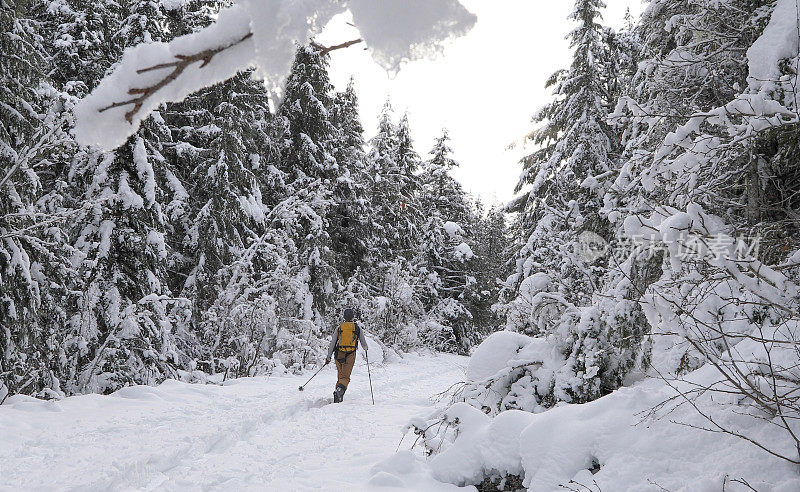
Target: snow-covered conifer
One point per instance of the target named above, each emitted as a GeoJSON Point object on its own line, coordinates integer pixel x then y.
{"type": "Point", "coordinates": [492, 249]}
{"type": "Point", "coordinates": [308, 138]}
{"type": "Point", "coordinates": [33, 253]}
{"type": "Point", "coordinates": [217, 160]}
{"type": "Point", "coordinates": [566, 257]}
{"type": "Point", "coordinates": [350, 218]}
{"type": "Point", "coordinates": [123, 330]}
{"type": "Point", "coordinates": [569, 171]}
{"type": "Point", "coordinates": [445, 251]}
{"type": "Point", "coordinates": [393, 185]}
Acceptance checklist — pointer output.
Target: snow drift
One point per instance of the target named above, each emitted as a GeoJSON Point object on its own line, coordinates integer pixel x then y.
{"type": "Point", "coordinates": [628, 440]}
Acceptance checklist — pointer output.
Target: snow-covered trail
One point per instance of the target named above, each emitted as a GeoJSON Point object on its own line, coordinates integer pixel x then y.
{"type": "Point", "coordinates": [253, 434]}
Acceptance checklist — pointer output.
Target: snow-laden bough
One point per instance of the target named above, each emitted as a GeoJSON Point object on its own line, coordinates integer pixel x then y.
{"type": "Point", "coordinates": [260, 34]}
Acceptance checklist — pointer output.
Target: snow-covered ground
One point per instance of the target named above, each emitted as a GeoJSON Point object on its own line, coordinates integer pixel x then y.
{"type": "Point", "coordinates": [263, 434]}
{"type": "Point", "coordinates": [638, 438]}
{"type": "Point", "coordinates": [254, 433]}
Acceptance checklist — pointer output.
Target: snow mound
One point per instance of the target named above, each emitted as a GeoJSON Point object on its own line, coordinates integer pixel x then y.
{"type": "Point", "coordinates": [494, 354]}
{"type": "Point", "coordinates": [510, 371]}
{"type": "Point", "coordinates": [406, 471]}
{"type": "Point", "coordinates": [488, 445]}
{"type": "Point", "coordinates": [383, 479]}
{"type": "Point", "coordinates": [401, 463]}
{"type": "Point", "coordinates": [610, 441]}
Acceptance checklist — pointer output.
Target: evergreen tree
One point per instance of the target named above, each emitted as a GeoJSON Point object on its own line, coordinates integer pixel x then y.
{"type": "Point", "coordinates": [123, 331]}
{"type": "Point", "coordinates": [218, 164]}
{"type": "Point", "coordinates": [492, 249]}
{"type": "Point", "coordinates": [188, 16]}
{"type": "Point", "coordinates": [565, 259]}
{"type": "Point", "coordinates": [445, 251]}
{"type": "Point", "coordinates": [570, 171]}
{"type": "Point", "coordinates": [623, 56]}
{"type": "Point", "coordinates": [383, 199]}
{"type": "Point", "coordinates": [396, 311]}
{"type": "Point", "coordinates": [307, 157]}
{"type": "Point", "coordinates": [79, 35]}
{"type": "Point", "coordinates": [442, 192]}
{"type": "Point", "coordinates": [393, 186]}
{"type": "Point", "coordinates": [349, 222]}
{"type": "Point", "coordinates": [697, 64]}
{"type": "Point", "coordinates": [33, 265]}
{"type": "Point", "coordinates": [693, 64]}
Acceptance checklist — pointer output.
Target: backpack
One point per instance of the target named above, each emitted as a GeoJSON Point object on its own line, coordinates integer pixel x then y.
{"type": "Point", "coordinates": [347, 341]}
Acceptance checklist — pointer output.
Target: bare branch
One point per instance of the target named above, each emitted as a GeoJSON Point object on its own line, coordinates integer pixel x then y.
{"type": "Point", "coordinates": [324, 50]}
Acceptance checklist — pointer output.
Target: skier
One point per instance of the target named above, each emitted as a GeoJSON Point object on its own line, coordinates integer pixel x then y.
{"type": "Point", "coordinates": [344, 342]}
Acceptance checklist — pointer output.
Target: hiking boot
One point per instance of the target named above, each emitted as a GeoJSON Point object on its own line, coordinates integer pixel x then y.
{"type": "Point", "coordinates": [338, 394]}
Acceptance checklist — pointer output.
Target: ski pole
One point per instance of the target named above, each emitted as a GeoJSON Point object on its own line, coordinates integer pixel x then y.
{"type": "Point", "coordinates": [366, 356]}
{"type": "Point", "coordinates": [315, 374]}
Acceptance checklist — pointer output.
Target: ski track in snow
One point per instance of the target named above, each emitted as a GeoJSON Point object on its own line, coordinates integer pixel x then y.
{"type": "Point", "coordinates": [250, 434]}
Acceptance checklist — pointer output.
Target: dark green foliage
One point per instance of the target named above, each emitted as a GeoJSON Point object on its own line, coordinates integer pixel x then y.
{"type": "Point", "coordinates": [506, 483]}
{"type": "Point", "coordinates": [308, 138]}
{"type": "Point", "coordinates": [350, 218]}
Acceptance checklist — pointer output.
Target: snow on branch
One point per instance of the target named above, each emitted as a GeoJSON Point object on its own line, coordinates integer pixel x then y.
{"type": "Point", "coordinates": [104, 117]}
{"type": "Point", "coordinates": [261, 34]}
{"type": "Point", "coordinates": [182, 62]}
{"type": "Point", "coordinates": [178, 66]}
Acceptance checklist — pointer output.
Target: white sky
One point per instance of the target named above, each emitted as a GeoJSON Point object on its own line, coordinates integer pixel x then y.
{"type": "Point", "coordinates": [484, 89]}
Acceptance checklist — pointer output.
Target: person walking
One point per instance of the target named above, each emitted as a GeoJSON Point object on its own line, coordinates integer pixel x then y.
{"type": "Point", "coordinates": [344, 342]}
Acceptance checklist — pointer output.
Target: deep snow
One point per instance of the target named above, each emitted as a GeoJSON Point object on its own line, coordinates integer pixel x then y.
{"type": "Point", "coordinates": [253, 433]}
{"type": "Point", "coordinates": [628, 438]}
{"type": "Point", "coordinates": [262, 434]}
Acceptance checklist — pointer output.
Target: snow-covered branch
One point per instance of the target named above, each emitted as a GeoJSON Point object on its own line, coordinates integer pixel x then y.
{"type": "Point", "coordinates": [178, 66]}
{"type": "Point", "coordinates": [259, 34]}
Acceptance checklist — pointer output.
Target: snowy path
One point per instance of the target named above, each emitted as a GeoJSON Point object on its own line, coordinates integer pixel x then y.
{"type": "Point", "coordinates": [254, 434]}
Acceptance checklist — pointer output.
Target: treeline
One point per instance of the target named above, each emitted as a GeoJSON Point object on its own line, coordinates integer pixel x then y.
{"type": "Point", "coordinates": [226, 234]}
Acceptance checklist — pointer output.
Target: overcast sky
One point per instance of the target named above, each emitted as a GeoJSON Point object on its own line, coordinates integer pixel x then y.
{"type": "Point", "coordinates": [483, 89]}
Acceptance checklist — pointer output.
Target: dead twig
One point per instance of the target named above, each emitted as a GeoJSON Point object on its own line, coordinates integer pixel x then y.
{"type": "Point", "coordinates": [324, 50]}
{"type": "Point", "coordinates": [740, 481]}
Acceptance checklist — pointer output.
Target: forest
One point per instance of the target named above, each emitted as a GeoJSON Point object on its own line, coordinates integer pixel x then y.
{"type": "Point", "coordinates": [226, 235]}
